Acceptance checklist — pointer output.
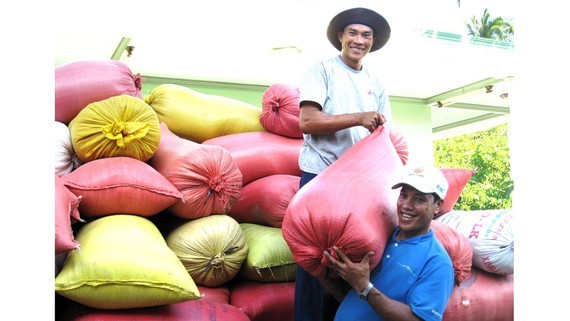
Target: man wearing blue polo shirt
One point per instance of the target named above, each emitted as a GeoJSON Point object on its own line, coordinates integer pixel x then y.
{"type": "Point", "coordinates": [414, 278]}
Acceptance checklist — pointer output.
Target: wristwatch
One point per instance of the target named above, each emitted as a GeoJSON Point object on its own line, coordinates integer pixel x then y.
{"type": "Point", "coordinates": [364, 294]}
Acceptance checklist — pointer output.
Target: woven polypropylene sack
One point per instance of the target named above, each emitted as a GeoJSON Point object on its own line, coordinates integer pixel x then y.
{"type": "Point", "coordinates": [265, 200]}
{"type": "Point", "coordinates": [260, 154]}
{"type": "Point", "coordinates": [264, 301]}
{"type": "Point", "coordinates": [280, 110]}
{"type": "Point", "coordinates": [192, 310]}
{"type": "Point", "coordinates": [400, 144]}
{"type": "Point", "coordinates": [117, 126]}
{"type": "Point", "coordinates": [121, 185]}
{"type": "Point", "coordinates": [197, 116]}
{"type": "Point", "coordinates": [64, 156]}
{"type": "Point", "coordinates": [458, 248]}
{"type": "Point", "coordinates": [66, 213]}
{"type": "Point", "coordinates": [124, 263]}
{"type": "Point", "coordinates": [491, 235]}
{"type": "Point", "coordinates": [218, 294]}
{"type": "Point", "coordinates": [80, 83]}
{"type": "Point", "coordinates": [211, 248]}
{"type": "Point", "coordinates": [206, 175]}
{"type": "Point", "coordinates": [457, 179]}
{"type": "Point", "coordinates": [482, 296]}
{"type": "Point", "coordinates": [351, 205]}
{"type": "Point", "coordinates": [269, 258]}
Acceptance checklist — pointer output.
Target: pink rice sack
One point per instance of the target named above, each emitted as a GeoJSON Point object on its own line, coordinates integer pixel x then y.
{"type": "Point", "coordinates": [280, 110]}
{"type": "Point", "coordinates": [66, 214]}
{"type": "Point", "coordinates": [79, 83]}
{"type": "Point", "coordinates": [123, 185]}
{"type": "Point", "coordinates": [206, 175]}
{"type": "Point", "coordinates": [265, 200]}
{"type": "Point", "coordinates": [260, 154]}
{"type": "Point", "coordinates": [351, 205]}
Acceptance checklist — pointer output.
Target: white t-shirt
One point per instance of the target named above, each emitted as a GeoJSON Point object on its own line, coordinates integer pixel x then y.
{"type": "Point", "coordinates": [339, 89]}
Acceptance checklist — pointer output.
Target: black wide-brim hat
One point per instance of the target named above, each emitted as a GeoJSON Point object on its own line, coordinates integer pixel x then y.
{"type": "Point", "coordinates": [362, 16]}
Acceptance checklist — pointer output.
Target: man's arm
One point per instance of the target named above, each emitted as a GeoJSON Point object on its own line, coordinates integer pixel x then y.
{"type": "Point", "coordinates": [357, 275]}
{"type": "Point", "coordinates": [313, 120]}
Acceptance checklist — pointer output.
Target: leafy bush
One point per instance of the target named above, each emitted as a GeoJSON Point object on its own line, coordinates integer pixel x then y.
{"type": "Point", "coordinates": [487, 152]}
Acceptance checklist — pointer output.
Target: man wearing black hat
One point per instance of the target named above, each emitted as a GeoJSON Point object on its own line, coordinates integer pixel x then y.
{"type": "Point", "coordinates": [341, 102]}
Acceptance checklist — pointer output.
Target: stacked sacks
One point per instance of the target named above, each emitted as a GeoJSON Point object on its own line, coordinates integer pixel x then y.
{"type": "Point", "coordinates": [269, 258]}
{"type": "Point", "coordinates": [66, 214]}
{"type": "Point", "coordinates": [63, 149]}
{"type": "Point", "coordinates": [482, 296]}
{"type": "Point", "coordinates": [206, 175]}
{"type": "Point", "coordinates": [117, 183]}
{"type": "Point", "coordinates": [80, 83]}
{"type": "Point", "coordinates": [260, 154]}
{"type": "Point", "coordinates": [214, 305]}
{"type": "Point", "coordinates": [269, 167]}
{"type": "Point", "coordinates": [490, 233]}
{"type": "Point", "coordinates": [280, 110]}
{"type": "Point", "coordinates": [265, 200]}
{"type": "Point", "coordinates": [264, 301]}
{"type": "Point", "coordinates": [271, 175]}
{"type": "Point", "coordinates": [117, 126]}
{"type": "Point", "coordinates": [124, 263]}
{"type": "Point", "coordinates": [458, 248]}
{"type": "Point", "coordinates": [211, 248]}
{"type": "Point", "coordinates": [198, 117]}
{"type": "Point", "coordinates": [120, 185]}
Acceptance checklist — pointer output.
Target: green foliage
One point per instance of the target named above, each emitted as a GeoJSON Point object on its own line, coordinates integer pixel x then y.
{"type": "Point", "coordinates": [491, 28]}
{"type": "Point", "coordinates": [486, 152]}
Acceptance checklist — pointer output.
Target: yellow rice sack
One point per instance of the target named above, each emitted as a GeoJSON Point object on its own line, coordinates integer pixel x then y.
{"type": "Point", "coordinates": [212, 248]}
{"type": "Point", "coordinates": [197, 116]}
{"type": "Point", "coordinates": [118, 126]}
{"type": "Point", "coordinates": [123, 263]}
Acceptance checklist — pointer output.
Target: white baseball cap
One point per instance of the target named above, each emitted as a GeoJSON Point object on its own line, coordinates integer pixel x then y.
{"type": "Point", "coordinates": [425, 179]}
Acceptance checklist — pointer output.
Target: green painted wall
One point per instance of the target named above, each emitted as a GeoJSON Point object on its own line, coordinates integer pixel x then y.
{"type": "Point", "coordinates": [413, 118]}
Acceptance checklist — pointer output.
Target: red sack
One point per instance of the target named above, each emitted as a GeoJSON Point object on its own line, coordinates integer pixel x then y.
{"type": "Point", "coordinates": [265, 200]}
{"type": "Point", "coordinates": [260, 154]}
{"type": "Point", "coordinates": [400, 144]}
{"type": "Point", "coordinates": [192, 310]}
{"type": "Point", "coordinates": [120, 185]}
{"type": "Point", "coordinates": [80, 83]}
{"type": "Point", "coordinates": [482, 296]}
{"type": "Point", "coordinates": [458, 248]}
{"type": "Point", "coordinates": [218, 294]}
{"type": "Point", "coordinates": [206, 175]}
{"type": "Point", "coordinates": [351, 205]}
{"type": "Point", "coordinates": [457, 179]}
{"type": "Point", "coordinates": [66, 213]}
{"type": "Point", "coordinates": [263, 301]}
{"type": "Point", "coordinates": [280, 110]}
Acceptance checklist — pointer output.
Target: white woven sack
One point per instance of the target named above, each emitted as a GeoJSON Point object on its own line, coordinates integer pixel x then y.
{"type": "Point", "coordinates": [490, 233]}
{"type": "Point", "coordinates": [63, 149]}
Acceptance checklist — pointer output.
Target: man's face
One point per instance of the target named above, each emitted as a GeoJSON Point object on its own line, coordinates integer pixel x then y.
{"type": "Point", "coordinates": [416, 210]}
{"type": "Point", "coordinates": [356, 41]}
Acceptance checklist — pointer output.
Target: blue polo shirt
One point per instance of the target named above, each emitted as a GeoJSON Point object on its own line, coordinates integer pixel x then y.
{"type": "Point", "coordinates": [416, 271]}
